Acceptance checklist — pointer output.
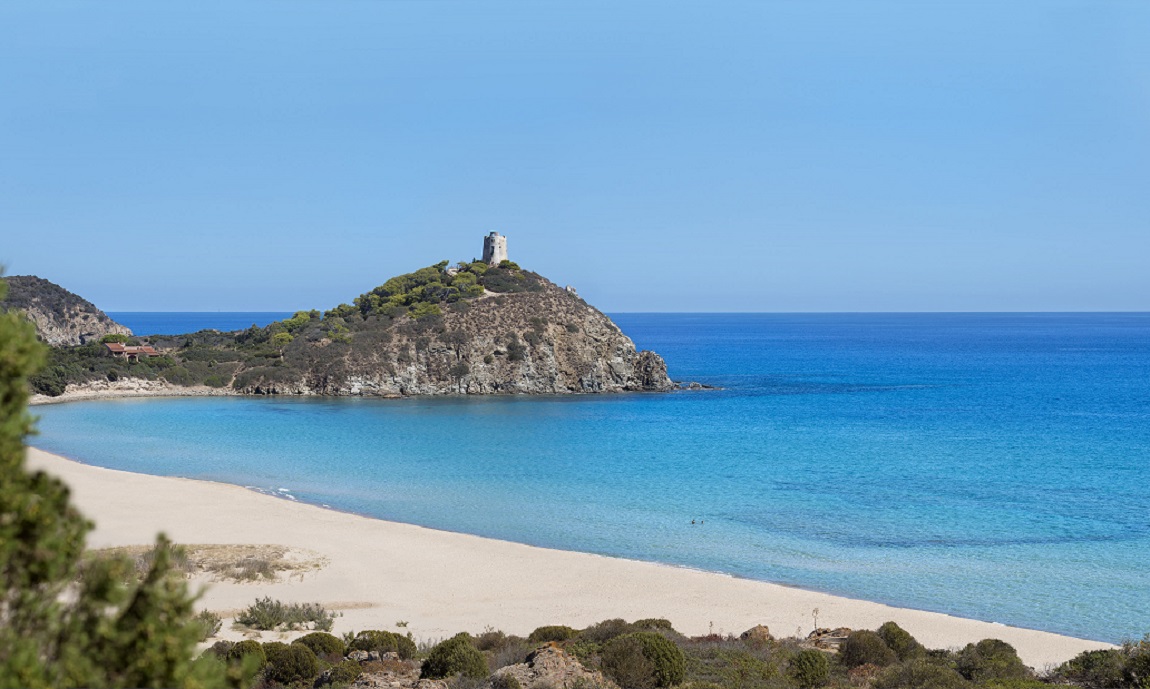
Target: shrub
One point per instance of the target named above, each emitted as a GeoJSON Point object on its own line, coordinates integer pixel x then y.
{"type": "Point", "coordinates": [323, 644]}
{"type": "Point", "coordinates": [209, 624]}
{"type": "Point", "coordinates": [383, 642]}
{"type": "Point", "coordinates": [900, 641]}
{"type": "Point", "coordinates": [730, 663]}
{"type": "Point", "coordinates": [178, 375]}
{"type": "Point", "coordinates": [247, 647]}
{"type": "Point", "coordinates": [266, 613]}
{"type": "Point", "coordinates": [1094, 669]}
{"type": "Point", "coordinates": [991, 659]}
{"type": "Point", "coordinates": [654, 624]}
{"type": "Point", "coordinates": [810, 668]}
{"type": "Point", "coordinates": [342, 673]}
{"type": "Point", "coordinates": [602, 632]}
{"type": "Point", "coordinates": [919, 673]}
{"type": "Point", "coordinates": [864, 647]}
{"type": "Point", "coordinates": [555, 632]}
{"type": "Point", "coordinates": [1137, 670]}
{"type": "Point", "coordinates": [452, 657]}
{"type": "Point", "coordinates": [290, 664]}
{"type": "Point", "coordinates": [506, 681]}
{"type": "Point", "coordinates": [644, 659]}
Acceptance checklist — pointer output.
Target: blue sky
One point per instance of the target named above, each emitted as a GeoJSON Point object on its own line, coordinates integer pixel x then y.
{"type": "Point", "coordinates": [663, 156]}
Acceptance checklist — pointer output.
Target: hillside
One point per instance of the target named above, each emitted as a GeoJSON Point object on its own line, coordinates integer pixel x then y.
{"type": "Point", "coordinates": [61, 317]}
{"type": "Point", "coordinates": [470, 329]}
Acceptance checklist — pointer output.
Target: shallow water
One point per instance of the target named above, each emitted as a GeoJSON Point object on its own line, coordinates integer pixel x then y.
{"type": "Point", "coordinates": [985, 465]}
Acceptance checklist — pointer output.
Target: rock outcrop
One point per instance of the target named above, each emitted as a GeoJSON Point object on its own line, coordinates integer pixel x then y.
{"type": "Point", "coordinates": [61, 317]}
{"type": "Point", "coordinates": [549, 667]}
{"type": "Point", "coordinates": [543, 342]}
{"type": "Point", "coordinates": [759, 634]}
{"type": "Point", "coordinates": [473, 330]}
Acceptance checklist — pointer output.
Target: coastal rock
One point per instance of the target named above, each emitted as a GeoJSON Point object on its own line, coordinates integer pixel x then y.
{"type": "Point", "coordinates": [543, 342]}
{"type": "Point", "coordinates": [759, 634]}
{"type": "Point", "coordinates": [386, 671]}
{"type": "Point", "coordinates": [61, 317]}
{"type": "Point", "coordinates": [502, 330]}
{"type": "Point", "coordinates": [827, 639]}
{"type": "Point", "coordinates": [549, 666]}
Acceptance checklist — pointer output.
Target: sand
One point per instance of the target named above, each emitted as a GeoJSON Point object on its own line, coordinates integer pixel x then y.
{"type": "Point", "coordinates": [399, 577]}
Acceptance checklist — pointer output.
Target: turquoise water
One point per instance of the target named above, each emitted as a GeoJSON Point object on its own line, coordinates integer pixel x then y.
{"type": "Point", "coordinates": [180, 322]}
{"type": "Point", "coordinates": [984, 465]}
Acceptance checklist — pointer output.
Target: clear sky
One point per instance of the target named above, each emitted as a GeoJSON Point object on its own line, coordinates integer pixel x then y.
{"type": "Point", "coordinates": [661, 156]}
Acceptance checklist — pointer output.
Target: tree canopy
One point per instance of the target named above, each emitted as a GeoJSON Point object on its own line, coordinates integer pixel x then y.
{"type": "Point", "coordinates": [66, 621]}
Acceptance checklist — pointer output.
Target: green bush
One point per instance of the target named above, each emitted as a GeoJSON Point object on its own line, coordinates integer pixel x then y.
{"type": "Point", "coordinates": [506, 681]}
{"type": "Point", "coordinates": [602, 632]}
{"type": "Point", "coordinates": [863, 647]}
{"type": "Point", "coordinates": [266, 613]}
{"type": "Point", "coordinates": [641, 660]}
{"type": "Point", "coordinates": [654, 624]}
{"type": "Point", "coordinates": [247, 647]}
{"type": "Point", "coordinates": [731, 664]}
{"type": "Point", "coordinates": [900, 641]}
{"type": "Point", "coordinates": [178, 375]}
{"type": "Point", "coordinates": [209, 624]}
{"type": "Point", "coordinates": [919, 674]}
{"type": "Point", "coordinates": [323, 644]}
{"type": "Point", "coordinates": [292, 664]}
{"type": "Point", "coordinates": [452, 657]}
{"type": "Point", "coordinates": [1137, 670]}
{"type": "Point", "coordinates": [383, 642]}
{"type": "Point", "coordinates": [342, 673]}
{"type": "Point", "coordinates": [810, 668]}
{"type": "Point", "coordinates": [555, 632]}
{"type": "Point", "coordinates": [991, 659]}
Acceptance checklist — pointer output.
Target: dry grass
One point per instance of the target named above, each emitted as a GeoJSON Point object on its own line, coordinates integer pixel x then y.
{"type": "Point", "coordinates": [240, 563]}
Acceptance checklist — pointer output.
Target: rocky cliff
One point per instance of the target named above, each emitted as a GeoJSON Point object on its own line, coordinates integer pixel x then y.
{"type": "Point", "coordinates": [471, 330]}
{"type": "Point", "coordinates": [61, 317]}
{"type": "Point", "coordinates": [536, 342]}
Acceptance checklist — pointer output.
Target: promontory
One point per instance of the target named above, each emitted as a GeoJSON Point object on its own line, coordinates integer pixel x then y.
{"type": "Point", "coordinates": [475, 328]}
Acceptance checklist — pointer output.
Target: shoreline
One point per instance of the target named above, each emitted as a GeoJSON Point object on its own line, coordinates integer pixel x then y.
{"type": "Point", "coordinates": [128, 388]}
{"type": "Point", "coordinates": [380, 573]}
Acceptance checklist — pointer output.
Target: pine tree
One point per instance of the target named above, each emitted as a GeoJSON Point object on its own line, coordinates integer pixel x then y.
{"type": "Point", "coordinates": [64, 621]}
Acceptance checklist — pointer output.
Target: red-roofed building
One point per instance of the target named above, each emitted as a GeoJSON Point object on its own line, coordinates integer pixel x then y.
{"type": "Point", "coordinates": [130, 352]}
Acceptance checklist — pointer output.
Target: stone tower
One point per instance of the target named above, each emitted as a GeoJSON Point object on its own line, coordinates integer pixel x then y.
{"type": "Point", "coordinates": [494, 249]}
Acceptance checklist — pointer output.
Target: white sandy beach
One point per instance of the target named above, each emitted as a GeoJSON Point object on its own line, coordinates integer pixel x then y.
{"type": "Point", "coordinates": [378, 573]}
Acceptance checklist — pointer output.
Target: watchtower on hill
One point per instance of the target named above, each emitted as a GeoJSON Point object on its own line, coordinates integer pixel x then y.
{"type": "Point", "coordinates": [494, 249]}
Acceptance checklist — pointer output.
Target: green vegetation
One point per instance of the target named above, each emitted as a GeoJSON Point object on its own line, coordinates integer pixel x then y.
{"type": "Point", "coordinates": [323, 644]}
{"type": "Point", "coordinates": [382, 642]}
{"type": "Point", "coordinates": [644, 660]}
{"type": "Point", "coordinates": [556, 632]}
{"type": "Point", "coordinates": [272, 358]}
{"type": "Point", "coordinates": [810, 668]}
{"type": "Point", "coordinates": [266, 613]}
{"type": "Point", "coordinates": [455, 656]}
{"type": "Point", "coordinates": [651, 654]}
{"type": "Point", "coordinates": [866, 648]}
{"type": "Point", "coordinates": [247, 647]}
{"type": "Point", "coordinates": [900, 641]}
{"type": "Point", "coordinates": [65, 622]}
{"type": "Point", "coordinates": [209, 624]}
{"type": "Point", "coordinates": [343, 672]}
{"type": "Point", "coordinates": [290, 664]}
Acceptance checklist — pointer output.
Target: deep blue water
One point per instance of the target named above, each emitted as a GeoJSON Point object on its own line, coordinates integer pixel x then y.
{"type": "Point", "coordinates": [180, 322]}
{"type": "Point", "coordinates": [986, 465]}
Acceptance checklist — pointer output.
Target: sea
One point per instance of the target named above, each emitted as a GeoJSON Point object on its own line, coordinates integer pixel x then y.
{"type": "Point", "coordinates": [986, 465]}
